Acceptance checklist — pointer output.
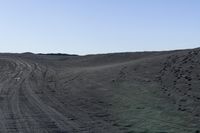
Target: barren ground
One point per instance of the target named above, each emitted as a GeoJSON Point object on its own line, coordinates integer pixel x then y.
{"type": "Point", "coordinates": [149, 92]}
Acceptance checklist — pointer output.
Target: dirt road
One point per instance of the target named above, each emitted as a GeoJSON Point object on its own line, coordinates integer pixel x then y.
{"type": "Point", "coordinates": [29, 101]}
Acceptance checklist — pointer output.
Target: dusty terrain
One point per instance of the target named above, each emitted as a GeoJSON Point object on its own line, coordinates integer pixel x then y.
{"type": "Point", "coordinates": [147, 92]}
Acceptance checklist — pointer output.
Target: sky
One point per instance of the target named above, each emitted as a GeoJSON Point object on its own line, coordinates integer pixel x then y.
{"type": "Point", "coordinates": [98, 26]}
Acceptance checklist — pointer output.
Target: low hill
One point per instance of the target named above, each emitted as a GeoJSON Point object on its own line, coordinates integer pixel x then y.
{"type": "Point", "coordinates": [141, 92]}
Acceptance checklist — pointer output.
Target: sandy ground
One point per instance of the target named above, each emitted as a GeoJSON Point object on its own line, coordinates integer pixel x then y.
{"type": "Point", "coordinates": [149, 92]}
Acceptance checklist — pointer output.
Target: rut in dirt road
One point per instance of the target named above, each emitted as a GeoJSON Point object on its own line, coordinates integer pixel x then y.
{"type": "Point", "coordinates": [21, 109]}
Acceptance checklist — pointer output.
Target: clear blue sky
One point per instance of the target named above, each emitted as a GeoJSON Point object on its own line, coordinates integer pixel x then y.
{"type": "Point", "coordinates": [98, 26]}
